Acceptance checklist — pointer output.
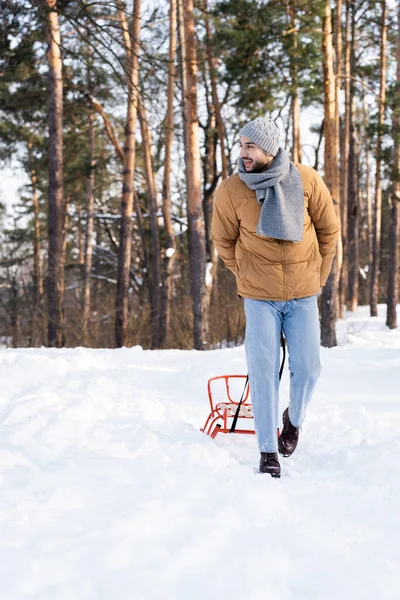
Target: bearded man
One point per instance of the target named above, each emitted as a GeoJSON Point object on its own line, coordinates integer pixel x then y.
{"type": "Point", "coordinates": [274, 226]}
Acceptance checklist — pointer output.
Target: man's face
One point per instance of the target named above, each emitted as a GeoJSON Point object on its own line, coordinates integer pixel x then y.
{"type": "Point", "coordinates": [254, 159]}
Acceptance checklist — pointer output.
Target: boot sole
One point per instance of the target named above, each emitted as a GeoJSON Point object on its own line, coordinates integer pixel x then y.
{"type": "Point", "coordinates": [274, 475]}
{"type": "Point", "coordinates": [285, 454]}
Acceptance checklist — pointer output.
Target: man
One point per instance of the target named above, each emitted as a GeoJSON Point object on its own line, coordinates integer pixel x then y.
{"type": "Point", "coordinates": [275, 228]}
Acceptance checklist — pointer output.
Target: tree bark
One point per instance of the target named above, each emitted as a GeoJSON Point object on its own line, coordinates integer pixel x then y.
{"type": "Point", "coordinates": [155, 287]}
{"type": "Point", "coordinates": [296, 139]}
{"type": "Point", "coordinates": [331, 151]}
{"type": "Point", "coordinates": [376, 248]}
{"type": "Point", "coordinates": [214, 92]}
{"type": "Point", "coordinates": [65, 229]}
{"type": "Point", "coordinates": [125, 244]}
{"type": "Point", "coordinates": [353, 214]}
{"type": "Point", "coordinates": [13, 309]}
{"type": "Point", "coordinates": [338, 42]}
{"type": "Point", "coordinates": [39, 309]}
{"type": "Point", "coordinates": [56, 186]}
{"type": "Point", "coordinates": [210, 178]}
{"type": "Point", "coordinates": [369, 208]}
{"type": "Point", "coordinates": [393, 274]}
{"type": "Point", "coordinates": [210, 182]}
{"type": "Point", "coordinates": [193, 180]}
{"type": "Point", "coordinates": [393, 267]}
{"type": "Point", "coordinates": [89, 234]}
{"type": "Point", "coordinates": [296, 152]}
{"type": "Point", "coordinates": [81, 237]}
{"type": "Point", "coordinates": [344, 160]}
{"type": "Point", "coordinates": [169, 255]}
{"type": "Point", "coordinates": [107, 124]}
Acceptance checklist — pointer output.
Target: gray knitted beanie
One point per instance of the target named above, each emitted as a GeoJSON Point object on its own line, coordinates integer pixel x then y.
{"type": "Point", "coordinates": [264, 132]}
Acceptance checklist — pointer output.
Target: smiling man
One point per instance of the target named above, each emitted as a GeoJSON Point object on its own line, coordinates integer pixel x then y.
{"type": "Point", "coordinates": [254, 159]}
{"type": "Point", "coordinates": [275, 228]}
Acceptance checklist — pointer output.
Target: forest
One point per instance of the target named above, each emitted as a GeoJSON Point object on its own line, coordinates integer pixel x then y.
{"type": "Point", "coordinates": [124, 118]}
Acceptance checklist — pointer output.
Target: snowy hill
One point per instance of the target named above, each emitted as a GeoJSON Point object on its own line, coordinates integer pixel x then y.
{"type": "Point", "coordinates": [109, 491]}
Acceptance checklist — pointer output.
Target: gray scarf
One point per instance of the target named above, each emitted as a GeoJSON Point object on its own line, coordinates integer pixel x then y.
{"type": "Point", "coordinates": [280, 191]}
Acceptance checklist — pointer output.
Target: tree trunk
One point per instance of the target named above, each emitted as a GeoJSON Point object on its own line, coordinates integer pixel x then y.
{"type": "Point", "coordinates": [210, 182]}
{"type": "Point", "coordinates": [193, 179]}
{"type": "Point", "coordinates": [56, 209]}
{"type": "Point", "coordinates": [296, 140]}
{"type": "Point", "coordinates": [142, 235]}
{"type": "Point", "coordinates": [97, 285]}
{"type": "Point", "coordinates": [338, 63]}
{"type": "Point", "coordinates": [376, 248]}
{"type": "Point", "coordinates": [39, 309]}
{"type": "Point", "coordinates": [364, 197]}
{"type": "Point", "coordinates": [369, 234]}
{"type": "Point", "coordinates": [63, 256]}
{"type": "Point", "coordinates": [87, 270]}
{"type": "Point", "coordinates": [210, 179]}
{"type": "Point", "coordinates": [296, 153]}
{"type": "Point", "coordinates": [125, 244]}
{"type": "Point", "coordinates": [338, 47]}
{"type": "Point", "coordinates": [155, 286]}
{"type": "Point", "coordinates": [331, 151]}
{"type": "Point", "coordinates": [344, 160]}
{"type": "Point", "coordinates": [353, 214]}
{"type": "Point", "coordinates": [214, 92]}
{"type": "Point", "coordinates": [169, 255]}
{"type": "Point", "coordinates": [112, 136]}
{"type": "Point", "coordinates": [13, 310]}
{"type": "Point", "coordinates": [393, 274]}
{"type": "Point", "coordinates": [318, 147]}
{"type": "Point", "coordinates": [393, 267]}
{"type": "Point", "coordinates": [97, 269]}
{"type": "Point", "coordinates": [182, 56]}
{"type": "Point", "coordinates": [81, 237]}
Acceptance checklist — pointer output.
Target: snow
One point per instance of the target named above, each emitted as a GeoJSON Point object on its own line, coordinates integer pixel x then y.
{"type": "Point", "coordinates": [169, 252]}
{"type": "Point", "coordinates": [109, 491]}
{"type": "Point", "coordinates": [209, 277]}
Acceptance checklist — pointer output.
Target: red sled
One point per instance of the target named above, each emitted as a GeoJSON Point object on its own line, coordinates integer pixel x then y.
{"type": "Point", "coordinates": [225, 410]}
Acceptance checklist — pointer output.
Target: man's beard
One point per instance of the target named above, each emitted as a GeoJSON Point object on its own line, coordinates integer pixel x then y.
{"type": "Point", "coordinates": [257, 167]}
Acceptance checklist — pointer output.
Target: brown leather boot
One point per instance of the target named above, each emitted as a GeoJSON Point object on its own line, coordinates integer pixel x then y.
{"type": "Point", "coordinates": [289, 437]}
{"type": "Point", "coordinates": [269, 463]}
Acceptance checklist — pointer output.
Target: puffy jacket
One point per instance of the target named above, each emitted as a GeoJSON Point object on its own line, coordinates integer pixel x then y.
{"type": "Point", "coordinates": [267, 268]}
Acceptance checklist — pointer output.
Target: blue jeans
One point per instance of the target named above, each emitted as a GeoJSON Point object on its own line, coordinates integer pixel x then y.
{"type": "Point", "coordinates": [299, 321]}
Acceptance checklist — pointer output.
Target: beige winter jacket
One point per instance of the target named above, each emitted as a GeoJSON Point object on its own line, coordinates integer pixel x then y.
{"type": "Point", "coordinates": [267, 268]}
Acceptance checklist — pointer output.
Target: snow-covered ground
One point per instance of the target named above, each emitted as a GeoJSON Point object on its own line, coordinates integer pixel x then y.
{"type": "Point", "coordinates": [109, 491]}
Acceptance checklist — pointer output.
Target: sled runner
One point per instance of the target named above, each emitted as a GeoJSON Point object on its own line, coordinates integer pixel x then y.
{"type": "Point", "coordinates": [225, 410]}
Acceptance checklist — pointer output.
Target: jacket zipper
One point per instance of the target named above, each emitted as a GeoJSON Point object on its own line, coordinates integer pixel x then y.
{"type": "Point", "coordinates": [283, 270]}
